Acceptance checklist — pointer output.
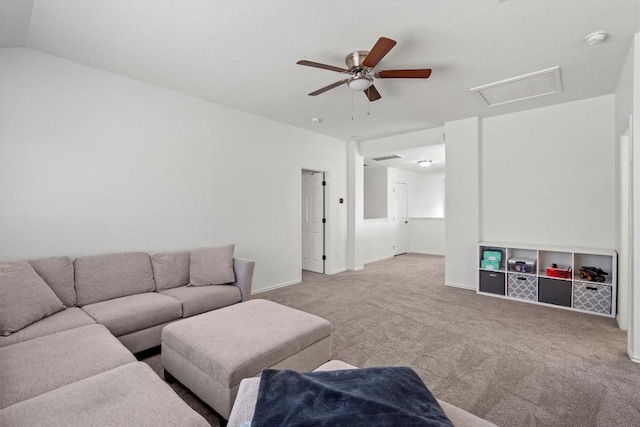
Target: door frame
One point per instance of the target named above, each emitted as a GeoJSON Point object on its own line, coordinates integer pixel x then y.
{"type": "Point", "coordinates": [625, 278]}
{"type": "Point", "coordinates": [327, 226]}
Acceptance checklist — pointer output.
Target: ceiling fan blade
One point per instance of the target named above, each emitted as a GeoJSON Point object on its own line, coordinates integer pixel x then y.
{"type": "Point", "coordinates": [326, 88]}
{"type": "Point", "coordinates": [323, 66]}
{"type": "Point", "coordinates": [379, 50]}
{"type": "Point", "coordinates": [404, 74]}
{"type": "Point", "coordinates": [372, 93]}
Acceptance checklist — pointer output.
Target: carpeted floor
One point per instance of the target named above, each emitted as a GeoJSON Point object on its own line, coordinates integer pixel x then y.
{"type": "Point", "coordinates": [512, 363]}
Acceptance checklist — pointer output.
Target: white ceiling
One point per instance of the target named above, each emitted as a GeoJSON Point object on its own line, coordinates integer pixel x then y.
{"type": "Point", "coordinates": [243, 53]}
{"type": "Point", "coordinates": [410, 157]}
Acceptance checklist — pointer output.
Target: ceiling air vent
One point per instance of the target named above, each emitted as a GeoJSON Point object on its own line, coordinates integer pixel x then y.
{"type": "Point", "coordinates": [389, 157]}
{"type": "Point", "coordinates": [533, 85]}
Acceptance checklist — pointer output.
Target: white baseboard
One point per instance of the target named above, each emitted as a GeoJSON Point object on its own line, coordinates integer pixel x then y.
{"type": "Point", "coordinates": [455, 285]}
{"type": "Point", "coordinates": [270, 288]}
{"type": "Point", "coordinates": [633, 358]}
{"type": "Point", "coordinates": [355, 269]}
{"type": "Point", "coordinates": [426, 253]}
{"type": "Point", "coordinates": [376, 260]}
{"type": "Point", "coordinates": [295, 282]}
{"type": "Point", "coordinates": [618, 320]}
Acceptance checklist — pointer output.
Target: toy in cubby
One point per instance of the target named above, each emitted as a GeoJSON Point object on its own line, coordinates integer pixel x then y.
{"type": "Point", "coordinates": [491, 259]}
{"type": "Point", "coordinates": [593, 274]}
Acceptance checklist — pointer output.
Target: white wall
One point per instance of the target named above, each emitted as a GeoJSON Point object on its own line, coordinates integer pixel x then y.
{"type": "Point", "coordinates": [548, 175]}
{"type": "Point", "coordinates": [377, 239]}
{"type": "Point", "coordinates": [428, 195]}
{"type": "Point", "coordinates": [427, 236]}
{"type": "Point", "coordinates": [355, 204]}
{"type": "Point", "coordinates": [623, 110]}
{"type": "Point", "coordinates": [394, 143]}
{"type": "Point", "coordinates": [92, 162]}
{"type": "Point", "coordinates": [375, 192]}
{"type": "Point", "coordinates": [425, 192]}
{"type": "Point", "coordinates": [633, 345]}
{"type": "Point", "coordinates": [462, 203]}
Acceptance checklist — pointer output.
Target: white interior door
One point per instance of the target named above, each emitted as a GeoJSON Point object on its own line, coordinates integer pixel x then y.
{"type": "Point", "coordinates": [400, 218]}
{"type": "Point", "coordinates": [313, 221]}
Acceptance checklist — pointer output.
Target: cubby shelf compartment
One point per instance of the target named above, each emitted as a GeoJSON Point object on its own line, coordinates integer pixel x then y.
{"type": "Point", "coordinates": [571, 293]}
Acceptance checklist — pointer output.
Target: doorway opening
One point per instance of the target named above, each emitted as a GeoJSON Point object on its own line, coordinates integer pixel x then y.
{"type": "Point", "coordinates": [313, 220]}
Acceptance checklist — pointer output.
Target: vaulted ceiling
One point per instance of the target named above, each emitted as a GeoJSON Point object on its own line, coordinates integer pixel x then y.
{"type": "Point", "coordinates": [243, 53]}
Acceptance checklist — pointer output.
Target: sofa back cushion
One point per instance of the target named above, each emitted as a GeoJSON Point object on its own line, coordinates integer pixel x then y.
{"type": "Point", "coordinates": [25, 297]}
{"type": "Point", "coordinates": [211, 266]}
{"type": "Point", "coordinates": [170, 270]}
{"type": "Point", "coordinates": [57, 272]}
{"type": "Point", "coordinates": [103, 277]}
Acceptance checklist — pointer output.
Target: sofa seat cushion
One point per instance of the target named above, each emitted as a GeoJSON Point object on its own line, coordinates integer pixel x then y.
{"type": "Point", "coordinates": [198, 299]}
{"type": "Point", "coordinates": [104, 277]}
{"type": "Point", "coordinates": [130, 395]}
{"type": "Point", "coordinates": [64, 320]}
{"type": "Point", "coordinates": [58, 273]}
{"type": "Point", "coordinates": [26, 298]}
{"type": "Point", "coordinates": [34, 367]}
{"type": "Point", "coordinates": [134, 312]}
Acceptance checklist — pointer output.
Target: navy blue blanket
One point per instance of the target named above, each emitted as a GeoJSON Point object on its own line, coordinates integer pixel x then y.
{"type": "Point", "coordinates": [389, 396]}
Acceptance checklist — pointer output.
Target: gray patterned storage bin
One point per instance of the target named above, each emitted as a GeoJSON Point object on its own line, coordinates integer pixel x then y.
{"type": "Point", "coordinates": [594, 297]}
{"type": "Point", "coordinates": [522, 286]}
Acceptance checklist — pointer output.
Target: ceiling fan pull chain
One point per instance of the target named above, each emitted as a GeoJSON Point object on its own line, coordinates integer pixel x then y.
{"type": "Point", "coordinates": [351, 105]}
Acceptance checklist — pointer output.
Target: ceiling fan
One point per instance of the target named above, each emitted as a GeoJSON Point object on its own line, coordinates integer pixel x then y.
{"type": "Point", "coordinates": [360, 67]}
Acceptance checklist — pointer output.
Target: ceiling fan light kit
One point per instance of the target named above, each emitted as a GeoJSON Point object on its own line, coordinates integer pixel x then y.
{"type": "Point", "coordinates": [360, 67]}
{"type": "Point", "coordinates": [360, 82]}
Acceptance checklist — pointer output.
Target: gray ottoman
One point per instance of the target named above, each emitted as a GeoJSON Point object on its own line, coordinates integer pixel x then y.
{"type": "Point", "coordinates": [212, 352]}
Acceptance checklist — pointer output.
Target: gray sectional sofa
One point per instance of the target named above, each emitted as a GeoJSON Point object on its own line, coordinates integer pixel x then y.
{"type": "Point", "coordinates": [69, 328]}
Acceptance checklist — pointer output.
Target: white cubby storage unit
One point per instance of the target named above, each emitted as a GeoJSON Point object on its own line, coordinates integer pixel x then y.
{"type": "Point", "coordinates": [527, 280]}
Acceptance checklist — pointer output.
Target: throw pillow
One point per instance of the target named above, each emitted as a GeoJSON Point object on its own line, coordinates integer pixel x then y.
{"type": "Point", "coordinates": [57, 272]}
{"type": "Point", "coordinates": [25, 297]}
{"type": "Point", "coordinates": [170, 270]}
{"type": "Point", "coordinates": [211, 266]}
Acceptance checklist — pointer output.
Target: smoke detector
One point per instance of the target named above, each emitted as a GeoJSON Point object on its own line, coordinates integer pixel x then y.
{"type": "Point", "coordinates": [597, 37]}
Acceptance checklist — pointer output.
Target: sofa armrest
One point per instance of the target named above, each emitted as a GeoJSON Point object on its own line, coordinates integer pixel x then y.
{"type": "Point", "coordinates": [243, 269]}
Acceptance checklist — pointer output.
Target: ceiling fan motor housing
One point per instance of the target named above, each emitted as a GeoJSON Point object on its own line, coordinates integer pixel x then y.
{"type": "Point", "coordinates": [355, 59]}
{"type": "Point", "coordinates": [361, 80]}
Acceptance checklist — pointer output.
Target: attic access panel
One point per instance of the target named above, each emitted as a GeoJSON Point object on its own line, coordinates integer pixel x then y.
{"type": "Point", "coordinates": [527, 86]}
